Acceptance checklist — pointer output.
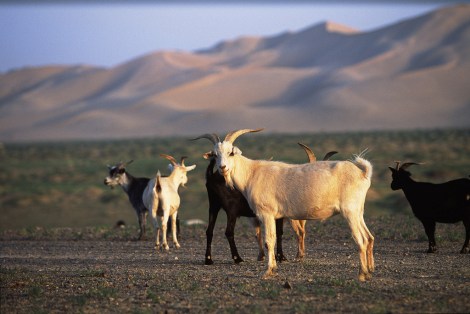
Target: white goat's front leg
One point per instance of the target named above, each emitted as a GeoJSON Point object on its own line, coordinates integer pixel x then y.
{"type": "Point", "coordinates": [164, 229]}
{"type": "Point", "coordinates": [173, 229]}
{"type": "Point", "coordinates": [269, 224]}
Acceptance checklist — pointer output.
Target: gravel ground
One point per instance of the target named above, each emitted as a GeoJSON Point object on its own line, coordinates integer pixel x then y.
{"type": "Point", "coordinates": [103, 270]}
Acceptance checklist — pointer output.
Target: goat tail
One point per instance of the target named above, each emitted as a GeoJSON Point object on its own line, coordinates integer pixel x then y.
{"type": "Point", "coordinates": [363, 164]}
{"type": "Point", "coordinates": [158, 185]}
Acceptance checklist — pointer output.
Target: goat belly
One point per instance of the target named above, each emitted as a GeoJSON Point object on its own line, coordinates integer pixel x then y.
{"type": "Point", "coordinates": [440, 215]}
{"type": "Point", "coordinates": [317, 213]}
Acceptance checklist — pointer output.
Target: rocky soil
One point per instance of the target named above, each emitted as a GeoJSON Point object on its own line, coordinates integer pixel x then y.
{"type": "Point", "coordinates": [102, 270]}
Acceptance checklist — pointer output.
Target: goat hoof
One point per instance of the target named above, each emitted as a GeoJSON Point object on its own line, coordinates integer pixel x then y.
{"type": "Point", "coordinates": [208, 261]}
{"type": "Point", "coordinates": [363, 277]}
{"type": "Point", "coordinates": [260, 258]}
{"type": "Point", "coordinates": [237, 259]}
{"type": "Point", "coordinates": [433, 250]}
{"type": "Point", "coordinates": [268, 274]}
{"type": "Point", "coordinates": [465, 250]}
{"type": "Point", "coordinates": [299, 258]}
{"type": "Point", "coordinates": [281, 258]}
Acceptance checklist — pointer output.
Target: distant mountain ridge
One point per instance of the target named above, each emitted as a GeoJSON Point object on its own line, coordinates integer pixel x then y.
{"type": "Point", "coordinates": [328, 77]}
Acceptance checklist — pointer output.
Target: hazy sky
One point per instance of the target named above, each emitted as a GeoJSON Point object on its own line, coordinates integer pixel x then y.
{"type": "Point", "coordinates": [108, 34]}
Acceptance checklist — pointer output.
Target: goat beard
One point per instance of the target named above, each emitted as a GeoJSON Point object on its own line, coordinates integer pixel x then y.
{"type": "Point", "coordinates": [228, 180]}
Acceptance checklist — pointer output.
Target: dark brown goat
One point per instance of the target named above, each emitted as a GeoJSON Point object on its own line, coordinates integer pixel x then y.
{"type": "Point", "coordinates": [235, 206]}
{"type": "Point", "coordinates": [444, 203]}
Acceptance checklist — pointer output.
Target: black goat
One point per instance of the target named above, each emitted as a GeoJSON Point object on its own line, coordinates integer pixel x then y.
{"type": "Point", "coordinates": [134, 188]}
{"type": "Point", "coordinates": [444, 203]}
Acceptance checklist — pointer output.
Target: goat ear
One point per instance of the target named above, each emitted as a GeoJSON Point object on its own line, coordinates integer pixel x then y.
{"type": "Point", "coordinates": [189, 168]}
{"type": "Point", "coordinates": [236, 150]}
{"type": "Point", "coordinates": [392, 169]}
{"type": "Point", "coordinates": [208, 155]}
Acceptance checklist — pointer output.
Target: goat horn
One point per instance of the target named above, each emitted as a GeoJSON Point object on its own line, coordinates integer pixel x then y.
{"type": "Point", "coordinates": [407, 164]}
{"type": "Point", "coordinates": [182, 160]}
{"type": "Point", "coordinates": [329, 154]}
{"type": "Point", "coordinates": [170, 158]}
{"type": "Point", "coordinates": [309, 152]}
{"type": "Point", "coordinates": [214, 138]}
{"type": "Point", "coordinates": [232, 136]}
{"type": "Point", "coordinates": [397, 166]}
{"type": "Point", "coordinates": [127, 163]}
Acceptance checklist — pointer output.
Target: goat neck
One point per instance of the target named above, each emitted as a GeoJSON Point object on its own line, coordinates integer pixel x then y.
{"type": "Point", "coordinates": [242, 166]}
{"type": "Point", "coordinates": [126, 181]}
{"type": "Point", "coordinates": [176, 178]}
{"type": "Point", "coordinates": [403, 181]}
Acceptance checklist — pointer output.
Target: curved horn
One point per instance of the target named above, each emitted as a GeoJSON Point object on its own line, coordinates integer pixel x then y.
{"type": "Point", "coordinates": [182, 160]}
{"type": "Point", "coordinates": [309, 152]}
{"type": "Point", "coordinates": [214, 138]}
{"type": "Point", "coordinates": [232, 136]}
{"type": "Point", "coordinates": [170, 158]}
{"type": "Point", "coordinates": [329, 154]}
{"type": "Point", "coordinates": [397, 164]}
{"type": "Point", "coordinates": [127, 163]}
{"type": "Point", "coordinates": [407, 164]}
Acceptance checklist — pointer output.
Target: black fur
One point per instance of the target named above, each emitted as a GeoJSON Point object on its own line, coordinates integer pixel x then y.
{"type": "Point", "coordinates": [444, 203]}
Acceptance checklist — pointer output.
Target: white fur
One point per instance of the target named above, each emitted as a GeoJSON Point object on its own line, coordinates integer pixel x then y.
{"type": "Point", "coordinates": [166, 202]}
{"type": "Point", "coordinates": [309, 191]}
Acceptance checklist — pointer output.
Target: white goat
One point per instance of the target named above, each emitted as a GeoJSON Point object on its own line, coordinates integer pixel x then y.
{"type": "Point", "coordinates": [162, 199]}
{"type": "Point", "coordinates": [309, 191]}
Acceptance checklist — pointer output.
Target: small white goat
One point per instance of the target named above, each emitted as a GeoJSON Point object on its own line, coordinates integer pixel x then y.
{"type": "Point", "coordinates": [309, 191]}
{"type": "Point", "coordinates": [162, 199]}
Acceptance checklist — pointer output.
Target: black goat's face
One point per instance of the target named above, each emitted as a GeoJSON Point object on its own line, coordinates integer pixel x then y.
{"type": "Point", "coordinates": [116, 176]}
{"type": "Point", "coordinates": [398, 177]}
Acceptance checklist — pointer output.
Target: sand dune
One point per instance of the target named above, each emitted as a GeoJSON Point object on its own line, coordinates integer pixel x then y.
{"type": "Point", "coordinates": [326, 77]}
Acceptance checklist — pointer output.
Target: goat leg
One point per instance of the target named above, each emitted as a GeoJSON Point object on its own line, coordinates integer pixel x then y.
{"type": "Point", "coordinates": [259, 239]}
{"type": "Point", "coordinates": [164, 222]}
{"type": "Point", "coordinates": [174, 230]}
{"type": "Point", "coordinates": [299, 228]}
{"type": "Point", "coordinates": [229, 233]}
{"type": "Point", "coordinates": [279, 232]}
{"type": "Point", "coordinates": [269, 224]}
{"type": "Point", "coordinates": [213, 212]}
{"type": "Point", "coordinates": [430, 228]}
{"type": "Point", "coordinates": [465, 248]}
{"type": "Point", "coordinates": [142, 215]}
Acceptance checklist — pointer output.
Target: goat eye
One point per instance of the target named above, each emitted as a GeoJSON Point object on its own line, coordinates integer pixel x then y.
{"type": "Point", "coordinates": [232, 154]}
